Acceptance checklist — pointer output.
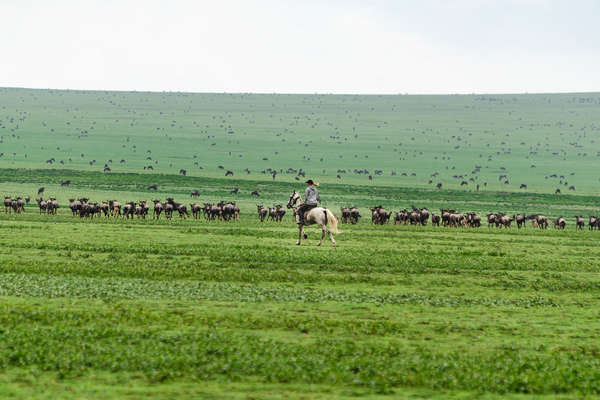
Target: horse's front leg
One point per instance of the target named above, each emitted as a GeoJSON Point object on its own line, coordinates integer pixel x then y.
{"type": "Point", "coordinates": [299, 234]}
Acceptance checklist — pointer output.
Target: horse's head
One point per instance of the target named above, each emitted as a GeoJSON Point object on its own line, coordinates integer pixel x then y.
{"type": "Point", "coordinates": [294, 198]}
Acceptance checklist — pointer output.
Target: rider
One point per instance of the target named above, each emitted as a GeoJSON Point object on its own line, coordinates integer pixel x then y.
{"type": "Point", "coordinates": [311, 198]}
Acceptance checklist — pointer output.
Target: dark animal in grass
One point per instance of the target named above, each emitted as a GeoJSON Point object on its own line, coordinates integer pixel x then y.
{"type": "Point", "coordinates": [262, 212]}
{"type": "Point", "coordinates": [183, 172]}
{"type": "Point", "coordinates": [65, 183]}
{"type": "Point", "coordinates": [40, 190]}
{"type": "Point", "coordinates": [180, 208]}
{"type": "Point", "coordinates": [195, 193]}
{"type": "Point", "coordinates": [234, 191]}
{"type": "Point", "coordinates": [594, 223]}
{"type": "Point", "coordinates": [158, 209]}
{"type": "Point", "coordinates": [520, 219]}
{"type": "Point", "coordinates": [196, 209]}
{"type": "Point", "coordinates": [345, 212]}
{"type": "Point", "coordinates": [152, 187]}
{"type": "Point", "coordinates": [7, 204]}
{"type": "Point", "coordinates": [579, 222]}
{"type": "Point", "coordinates": [255, 193]}
{"type": "Point", "coordinates": [560, 223]}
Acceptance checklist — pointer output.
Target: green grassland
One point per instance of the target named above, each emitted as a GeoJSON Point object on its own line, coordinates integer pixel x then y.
{"type": "Point", "coordinates": [112, 308]}
{"type": "Point", "coordinates": [450, 135]}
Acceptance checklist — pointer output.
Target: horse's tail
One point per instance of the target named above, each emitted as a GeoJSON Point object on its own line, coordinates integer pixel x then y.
{"type": "Point", "coordinates": [332, 219]}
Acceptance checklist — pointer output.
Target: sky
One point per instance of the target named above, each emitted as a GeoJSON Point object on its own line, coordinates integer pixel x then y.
{"type": "Point", "coordinates": [304, 46]}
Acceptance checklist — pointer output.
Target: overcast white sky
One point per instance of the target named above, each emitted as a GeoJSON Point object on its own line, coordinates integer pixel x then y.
{"type": "Point", "coordinates": [304, 46]}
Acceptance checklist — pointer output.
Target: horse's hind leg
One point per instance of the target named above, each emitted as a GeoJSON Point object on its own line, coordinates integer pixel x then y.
{"type": "Point", "coordinates": [299, 235]}
{"type": "Point", "coordinates": [332, 239]}
{"type": "Point", "coordinates": [323, 229]}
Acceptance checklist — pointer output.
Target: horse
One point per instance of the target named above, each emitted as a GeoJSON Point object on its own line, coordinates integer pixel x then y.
{"type": "Point", "coordinates": [319, 215]}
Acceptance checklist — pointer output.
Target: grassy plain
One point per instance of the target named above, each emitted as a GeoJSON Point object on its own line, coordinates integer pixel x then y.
{"type": "Point", "coordinates": [107, 308]}
{"type": "Point", "coordinates": [111, 308]}
{"type": "Point", "coordinates": [450, 135]}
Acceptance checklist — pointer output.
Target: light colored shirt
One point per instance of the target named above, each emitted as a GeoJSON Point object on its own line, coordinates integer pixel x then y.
{"type": "Point", "coordinates": [311, 196]}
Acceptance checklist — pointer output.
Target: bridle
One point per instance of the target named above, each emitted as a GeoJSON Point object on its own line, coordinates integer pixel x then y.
{"type": "Point", "coordinates": [294, 198]}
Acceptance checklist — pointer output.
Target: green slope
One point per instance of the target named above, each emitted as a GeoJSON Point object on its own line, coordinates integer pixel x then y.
{"type": "Point", "coordinates": [421, 135]}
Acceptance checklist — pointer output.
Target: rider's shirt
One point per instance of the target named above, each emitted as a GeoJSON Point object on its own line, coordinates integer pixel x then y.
{"type": "Point", "coordinates": [311, 195]}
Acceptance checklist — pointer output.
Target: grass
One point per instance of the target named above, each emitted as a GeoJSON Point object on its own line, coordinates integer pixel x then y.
{"type": "Point", "coordinates": [108, 308]}
{"type": "Point", "coordinates": [162, 306]}
{"type": "Point", "coordinates": [448, 135]}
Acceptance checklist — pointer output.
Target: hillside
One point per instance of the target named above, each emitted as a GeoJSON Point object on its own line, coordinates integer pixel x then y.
{"type": "Point", "coordinates": [529, 139]}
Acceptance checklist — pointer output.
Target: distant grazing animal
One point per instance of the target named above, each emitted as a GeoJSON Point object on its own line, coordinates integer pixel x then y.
{"type": "Point", "coordinates": [40, 190]}
{"type": "Point", "coordinates": [579, 222]}
{"type": "Point", "coordinates": [195, 193]}
{"type": "Point", "coordinates": [254, 193]}
{"type": "Point", "coordinates": [65, 183]}
{"type": "Point", "coordinates": [152, 187]}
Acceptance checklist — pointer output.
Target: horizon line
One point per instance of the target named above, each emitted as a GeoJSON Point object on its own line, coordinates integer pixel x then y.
{"type": "Point", "coordinates": [306, 93]}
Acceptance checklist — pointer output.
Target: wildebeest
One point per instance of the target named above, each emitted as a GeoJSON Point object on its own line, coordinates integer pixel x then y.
{"type": "Point", "coordinates": [234, 191]}
{"type": "Point", "coordinates": [180, 208]}
{"type": "Point", "coordinates": [65, 183]}
{"type": "Point", "coordinates": [379, 215]}
{"type": "Point", "coordinates": [255, 193]}
{"type": "Point", "coordinates": [594, 223]}
{"type": "Point", "coordinates": [228, 211]}
{"type": "Point", "coordinates": [473, 220]}
{"type": "Point", "coordinates": [435, 219]}
{"type": "Point", "coordinates": [128, 210]}
{"type": "Point", "coordinates": [262, 212]}
{"type": "Point", "coordinates": [504, 220]}
{"type": "Point", "coordinates": [41, 190]}
{"type": "Point", "coordinates": [579, 222]}
{"type": "Point", "coordinates": [158, 208]}
{"type": "Point", "coordinates": [345, 212]}
{"type": "Point", "coordinates": [560, 223]}
{"type": "Point", "coordinates": [152, 187]}
{"type": "Point", "coordinates": [538, 221]}
{"type": "Point", "coordinates": [115, 207]}
{"type": "Point", "coordinates": [280, 211]}
{"type": "Point", "coordinates": [350, 214]}
{"type": "Point", "coordinates": [520, 219]}
{"type": "Point", "coordinates": [7, 204]}
{"type": "Point", "coordinates": [196, 209]}
{"type": "Point", "coordinates": [74, 205]}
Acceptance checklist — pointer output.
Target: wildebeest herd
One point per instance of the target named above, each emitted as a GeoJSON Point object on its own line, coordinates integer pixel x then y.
{"type": "Point", "coordinates": [229, 211]}
{"type": "Point", "coordinates": [453, 218]}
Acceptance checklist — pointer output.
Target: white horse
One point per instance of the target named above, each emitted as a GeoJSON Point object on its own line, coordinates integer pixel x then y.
{"type": "Point", "coordinates": [318, 215]}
